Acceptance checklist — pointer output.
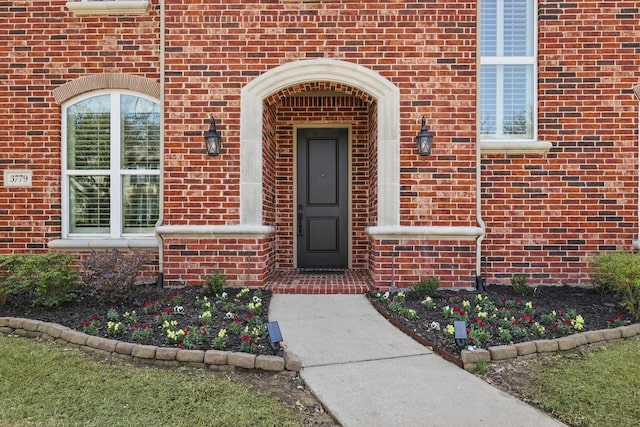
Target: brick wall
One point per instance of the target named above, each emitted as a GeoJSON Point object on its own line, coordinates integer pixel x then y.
{"type": "Point", "coordinates": [546, 214]}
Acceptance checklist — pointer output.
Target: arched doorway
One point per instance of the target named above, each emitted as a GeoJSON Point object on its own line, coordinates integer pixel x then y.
{"type": "Point", "coordinates": [387, 122]}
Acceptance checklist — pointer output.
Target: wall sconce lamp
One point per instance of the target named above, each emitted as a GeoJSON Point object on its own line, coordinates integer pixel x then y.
{"type": "Point", "coordinates": [460, 333]}
{"type": "Point", "coordinates": [213, 139]}
{"type": "Point", "coordinates": [275, 336]}
{"type": "Point", "coordinates": [424, 139]}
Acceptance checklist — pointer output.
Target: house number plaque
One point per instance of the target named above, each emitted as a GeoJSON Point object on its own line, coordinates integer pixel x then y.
{"type": "Point", "coordinates": [18, 178]}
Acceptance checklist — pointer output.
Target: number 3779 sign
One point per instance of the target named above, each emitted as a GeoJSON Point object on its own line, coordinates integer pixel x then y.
{"type": "Point", "coordinates": [18, 178]}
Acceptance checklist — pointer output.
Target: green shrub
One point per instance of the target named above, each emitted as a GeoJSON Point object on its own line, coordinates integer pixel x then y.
{"type": "Point", "coordinates": [112, 274]}
{"type": "Point", "coordinates": [48, 278]}
{"type": "Point", "coordinates": [619, 272]}
{"type": "Point", "coordinates": [426, 287]}
{"type": "Point", "coordinates": [607, 269]}
{"type": "Point", "coordinates": [520, 286]}
{"type": "Point", "coordinates": [215, 283]}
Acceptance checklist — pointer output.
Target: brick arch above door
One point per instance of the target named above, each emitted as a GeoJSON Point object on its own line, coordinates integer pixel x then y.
{"type": "Point", "coordinates": [360, 78]}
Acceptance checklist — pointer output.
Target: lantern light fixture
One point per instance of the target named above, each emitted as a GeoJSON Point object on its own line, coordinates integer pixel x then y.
{"type": "Point", "coordinates": [424, 139]}
{"type": "Point", "coordinates": [212, 139]}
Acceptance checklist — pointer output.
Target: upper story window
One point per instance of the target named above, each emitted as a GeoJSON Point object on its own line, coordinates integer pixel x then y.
{"type": "Point", "coordinates": [507, 90]}
{"type": "Point", "coordinates": [111, 177]}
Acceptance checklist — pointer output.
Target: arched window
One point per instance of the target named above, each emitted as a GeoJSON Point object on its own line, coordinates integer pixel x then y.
{"type": "Point", "coordinates": [110, 169]}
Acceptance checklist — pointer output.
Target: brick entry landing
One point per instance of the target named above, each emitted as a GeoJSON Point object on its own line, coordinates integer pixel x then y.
{"type": "Point", "coordinates": [318, 281]}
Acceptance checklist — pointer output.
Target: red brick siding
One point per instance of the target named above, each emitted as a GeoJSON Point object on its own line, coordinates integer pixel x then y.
{"type": "Point", "coordinates": [42, 47]}
{"type": "Point", "coordinates": [404, 262]}
{"type": "Point", "coordinates": [245, 262]}
{"type": "Point", "coordinates": [547, 215]}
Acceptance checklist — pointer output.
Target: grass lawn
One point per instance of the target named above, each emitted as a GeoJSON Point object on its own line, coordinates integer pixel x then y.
{"type": "Point", "coordinates": [45, 384]}
{"type": "Point", "coordinates": [600, 388]}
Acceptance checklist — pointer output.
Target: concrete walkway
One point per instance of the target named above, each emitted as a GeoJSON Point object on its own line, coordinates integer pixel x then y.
{"type": "Point", "coordinates": [369, 373]}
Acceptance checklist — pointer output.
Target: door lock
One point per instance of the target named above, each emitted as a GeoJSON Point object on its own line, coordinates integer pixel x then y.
{"type": "Point", "coordinates": [300, 228]}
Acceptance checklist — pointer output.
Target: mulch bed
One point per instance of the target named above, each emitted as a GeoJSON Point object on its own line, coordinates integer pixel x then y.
{"type": "Point", "coordinates": [596, 310]}
{"type": "Point", "coordinates": [85, 305]}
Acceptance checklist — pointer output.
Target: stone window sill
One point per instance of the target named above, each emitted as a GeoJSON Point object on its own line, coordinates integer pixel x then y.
{"type": "Point", "coordinates": [109, 7]}
{"type": "Point", "coordinates": [514, 147]}
{"type": "Point", "coordinates": [147, 243]}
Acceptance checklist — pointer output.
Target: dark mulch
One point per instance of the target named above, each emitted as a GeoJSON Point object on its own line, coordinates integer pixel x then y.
{"type": "Point", "coordinates": [597, 311]}
{"type": "Point", "coordinates": [85, 305]}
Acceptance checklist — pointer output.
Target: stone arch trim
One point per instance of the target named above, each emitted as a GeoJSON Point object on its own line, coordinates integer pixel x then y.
{"type": "Point", "coordinates": [345, 77]}
{"type": "Point", "coordinates": [106, 81]}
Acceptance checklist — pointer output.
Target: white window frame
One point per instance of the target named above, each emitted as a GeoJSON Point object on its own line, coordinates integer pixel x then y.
{"type": "Point", "coordinates": [115, 172]}
{"type": "Point", "coordinates": [490, 145]}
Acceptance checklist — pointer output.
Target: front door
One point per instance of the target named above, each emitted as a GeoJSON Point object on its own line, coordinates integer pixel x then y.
{"type": "Point", "coordinates": [322, 198]}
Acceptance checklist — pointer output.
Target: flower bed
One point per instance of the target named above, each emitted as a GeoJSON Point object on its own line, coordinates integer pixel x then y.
{"type": "Point", "coordinates": [498, 318]}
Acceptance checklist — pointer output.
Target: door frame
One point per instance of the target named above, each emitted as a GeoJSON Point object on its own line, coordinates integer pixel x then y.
{"type": "Point", "coordinates": [293, 224]}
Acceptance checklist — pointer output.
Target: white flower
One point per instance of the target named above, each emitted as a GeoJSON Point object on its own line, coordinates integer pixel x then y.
{"type": "Point", "coordinates": [223, 295]}
{"type": "Point", "coordinates": [435, 326]}
{"type": "Point", "coordinates": [229, 315]}
{"type": "Point", "coordinates": [385, 295]}
{"type": "Point", "coordinates": [256, 299]}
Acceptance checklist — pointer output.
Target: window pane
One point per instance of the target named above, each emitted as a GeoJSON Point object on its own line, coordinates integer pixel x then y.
{"type": "Point", "coordinates": [89, 134]}
{"type": "Point", "coordinates": [90, 206]}
{"type": "Point", "coordinates": [488, 101]}
{"type": "Point", "coordinates": [140, 128]}
{"type": "Point", "coordinates": [517, 28]}
{"type": "Point", "coordinates": [517, 95]}
{"type": "Point", "coordinates": [489, 28]}
{"type": "Point", "coordinates": [140, 203]}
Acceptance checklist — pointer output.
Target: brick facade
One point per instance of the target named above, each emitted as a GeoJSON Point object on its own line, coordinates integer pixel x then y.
{"type": "Point", "coordinates": [545, 213]}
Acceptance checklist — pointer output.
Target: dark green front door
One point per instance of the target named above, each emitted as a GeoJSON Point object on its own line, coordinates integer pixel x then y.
{"type": "Point", "coordinates": [322, 199]}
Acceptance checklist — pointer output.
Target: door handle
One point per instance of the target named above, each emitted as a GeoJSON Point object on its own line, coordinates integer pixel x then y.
{"type": "Point", "coordinates": [300, 228]}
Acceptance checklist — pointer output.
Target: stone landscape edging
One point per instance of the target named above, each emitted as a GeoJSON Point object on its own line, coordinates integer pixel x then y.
{"type": "Point", "coordinates": [156, 355]}
{"type": "Point", "coordinates": [469, 358]}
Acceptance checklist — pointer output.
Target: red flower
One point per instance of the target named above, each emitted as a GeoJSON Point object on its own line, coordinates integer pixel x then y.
{"type": "Point", "coordinates": [482, 324]}
{"type": "Point", "coordinates": [447, 298]}
{"type": "Point", "coordinates": [135, 326]}
{"type": "Point", "coordinates": [554, 325]}
{"type": "Point", "coordinates": [463, 313]}
{"type": "Point", "coordinates": [86, 324]}
{"type": "Point", "coordinates": [180, 345]}
{"type": "Point", "coordinates": [237, 320]}
{"type": "Point", "coordinates": [249, 316]}
{"type": "Point", "coordinates": [148, 325]}
{"type": "Point", "coordinates": [168, 310]}
{"type": "Point", "coordinates": [503, 299]}
{"type": "Point", "coordinates": [517, 300]}
{"type": "Point", "coordinates": [456, 309]}
{"type": "Point", "coordinates": [475, 319]}
{"type": "Point", "coordinates": [568, 322]}
{"type": "Point", "coordinates": [159, 312]}
{"type": "Point", "coordinates": [245, 338]}
{"type": "Point", "coordinates": [515, 323]}
{"type": "Point", "coordinates": [94, 317]}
